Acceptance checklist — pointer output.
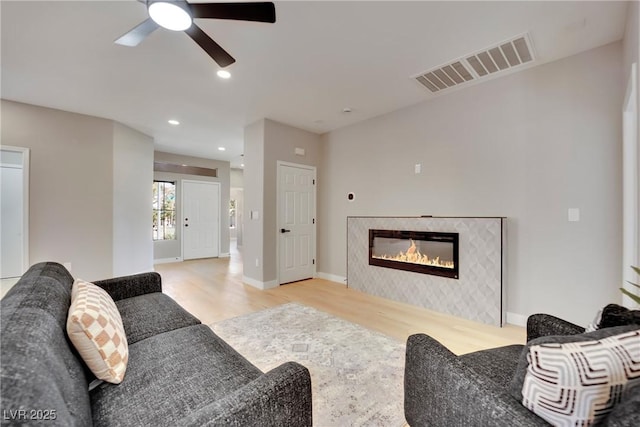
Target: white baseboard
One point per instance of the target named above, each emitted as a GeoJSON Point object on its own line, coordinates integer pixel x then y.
{"type": "Point", "coordinates": [260, 285]}
{"type": "Point", "coordinates": [224, 255]}
{"type": "Point", "coordinates": [167, 260]}
{"type": "Point", "coordinates": [516, 319]}
{"type": "Point", "coordinates": [332, 277]}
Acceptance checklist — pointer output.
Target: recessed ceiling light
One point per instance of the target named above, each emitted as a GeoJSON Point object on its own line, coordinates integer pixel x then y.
{"type": "Point", "coordinates": [223, 74]}
{"type": "Point", "coordinates": [347, 110]}
{"type": "Point", "coordinates": [221, 148]}
{"type": "Point", "coordinates": [173, 122]}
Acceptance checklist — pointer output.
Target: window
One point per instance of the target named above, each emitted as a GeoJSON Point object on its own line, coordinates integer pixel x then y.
{"type": "Point", "coordinates": [232, 214]}
{"type": "Point", "coordinates": [164, 210]}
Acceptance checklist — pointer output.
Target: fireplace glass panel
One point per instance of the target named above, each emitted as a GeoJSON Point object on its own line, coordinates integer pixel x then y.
{"type": "Point", "coordinates": [421, 252]}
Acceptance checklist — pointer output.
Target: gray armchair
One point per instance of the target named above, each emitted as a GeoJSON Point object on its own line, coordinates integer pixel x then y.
{"type": "Point", "coordinates": [442, 389]}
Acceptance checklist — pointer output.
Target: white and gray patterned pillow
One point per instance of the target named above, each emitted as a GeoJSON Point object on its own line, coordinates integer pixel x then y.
{"type": "Point", "coordinates": [579, 383]}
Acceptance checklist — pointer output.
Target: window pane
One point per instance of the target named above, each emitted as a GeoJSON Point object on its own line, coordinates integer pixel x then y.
{"type": "Point", "coordinates": [164, 210]}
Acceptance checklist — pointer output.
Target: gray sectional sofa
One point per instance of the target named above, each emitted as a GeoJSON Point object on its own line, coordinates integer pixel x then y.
{"type": "Point", "coordinates": [478, 389]}
{"type": "Point", "coordinates": [179, 372]}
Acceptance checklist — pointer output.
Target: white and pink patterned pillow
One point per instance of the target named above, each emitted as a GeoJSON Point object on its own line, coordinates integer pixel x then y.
{"type": "Point", "coordinates": [579, 383]}
{"type": "Point", "coordinates": [95, 328]}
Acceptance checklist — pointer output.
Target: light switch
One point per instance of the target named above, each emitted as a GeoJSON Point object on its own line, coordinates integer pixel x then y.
{"type": "Point", "coordinates": [574, 214]}
{"type": "Point", "coordinates": [418, 168]}
{"type": "Point", "coordinates": [255, 215]}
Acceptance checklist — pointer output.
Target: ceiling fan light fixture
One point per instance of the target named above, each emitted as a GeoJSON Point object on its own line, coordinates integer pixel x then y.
{"type": "Point", "coordinates": [170, 15]}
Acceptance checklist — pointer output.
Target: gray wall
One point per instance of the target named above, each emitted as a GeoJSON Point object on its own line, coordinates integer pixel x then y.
{"type": "Point", "coordinates": [631, 41]}
{"type": "Point", "coordinates": [132, 195]}
{"type": "Point", "coordinates": [76, 212]}
{"type": "Point", "coordinates": [280, 143]}
{"type": "Point", "coordinates": [528, 146]}
{"type": "Point", "coordinates": [631, 55]}
{"type": "Point", "coordinates": [236, 178]}
{"type": "Point", "coordinates": [253, 202]}
{"type": "Point", "coordinates": [171, 249]}
{"type": "Point", "coordinates": [266, 143]}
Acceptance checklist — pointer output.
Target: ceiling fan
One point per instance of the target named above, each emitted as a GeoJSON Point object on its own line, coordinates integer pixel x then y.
{"type": "Point", "coordinates": [178, 15]}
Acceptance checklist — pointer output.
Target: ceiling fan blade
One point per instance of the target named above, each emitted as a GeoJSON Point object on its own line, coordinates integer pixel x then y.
{"type": "Point", "coordinates": [139, 33]}
{"type": "Point", "coordinates": [212, 48]}
{"type": "Point", "coordinates": [257, 11]}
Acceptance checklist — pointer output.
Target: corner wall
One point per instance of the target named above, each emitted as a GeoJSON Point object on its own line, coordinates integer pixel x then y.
{"type": "Point", "coordinates": [132, 193]}
{"type": "Point", "coordinates": [631, 55]}
{"type": "Point", "coordinates": [280, 143]}
{"type": "Point", "coordinates": [266, 143]}
{"type": "Point", "coordinates": [528, 146]}
{"type": "Point", "coordinates": [631, 41]}
{"type": "Point", "coordinates": [252, 249]}
{"type": "Point", "coordinates": [79, 209]}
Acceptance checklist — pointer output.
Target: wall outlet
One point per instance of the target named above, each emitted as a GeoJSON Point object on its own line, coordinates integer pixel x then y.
{"type": "Point", "coordinates": [417, 168]}
{"type": "Point", "coordinates": [257, 262]}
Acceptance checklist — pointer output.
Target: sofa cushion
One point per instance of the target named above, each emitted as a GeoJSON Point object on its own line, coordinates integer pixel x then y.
{"type": "Point", "coordinates": [152, 314]}
{"type": "Point", "coordinates": [95, 328]}
{"type": "Point", "coordinates": [169, 375]}
{"type": "Point", "coordinates": [580, 383]}
{"type": "Point", "coordinates": [627, 412]}
{"type": "Point", "coordinates": [40, 368]}
{"type": "Point", "coordinates": [515, 387]}
{"type": "Point", "coordinates": [496, 364]}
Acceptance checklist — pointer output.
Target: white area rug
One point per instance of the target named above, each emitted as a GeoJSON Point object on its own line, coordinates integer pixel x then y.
{"type": "Point", "coordinates": [356, 374]}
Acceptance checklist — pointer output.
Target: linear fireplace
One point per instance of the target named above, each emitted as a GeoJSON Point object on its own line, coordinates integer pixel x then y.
{"type": "Point", "coordinates": [426, 252]}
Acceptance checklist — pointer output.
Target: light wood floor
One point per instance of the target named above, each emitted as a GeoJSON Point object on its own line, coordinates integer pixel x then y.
{"type": "Point", "coordinates": [212, 290]}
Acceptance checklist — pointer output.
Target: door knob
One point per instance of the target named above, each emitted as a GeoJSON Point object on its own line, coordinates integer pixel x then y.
{"type": "Point", "coordinates": [282, 230]}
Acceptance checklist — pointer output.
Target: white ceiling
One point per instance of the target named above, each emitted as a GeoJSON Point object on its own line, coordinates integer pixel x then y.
{"type": "Point", "coordinates": [318, 58]}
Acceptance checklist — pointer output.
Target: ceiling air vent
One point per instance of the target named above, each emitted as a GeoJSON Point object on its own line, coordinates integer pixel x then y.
{"type": "Point", "coordinates": [495, 59]}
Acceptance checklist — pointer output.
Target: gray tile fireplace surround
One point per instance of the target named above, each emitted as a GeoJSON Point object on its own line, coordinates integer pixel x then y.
{"type": "Point", "coordinates": [477, 295]}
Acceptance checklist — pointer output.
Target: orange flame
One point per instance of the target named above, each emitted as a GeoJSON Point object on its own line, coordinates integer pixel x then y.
{"type": "Point", "coordinates": [413, 255]}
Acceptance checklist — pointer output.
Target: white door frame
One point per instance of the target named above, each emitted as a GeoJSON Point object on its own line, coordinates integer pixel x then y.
{"type": "Point", "coordinates": [313, 214]}
{"type": "Point", "coordinates": [182, 233]}
{"type": "Point", "coordinates": [630, 186]}
{"type": "Point", "coordinates": [25, 152]}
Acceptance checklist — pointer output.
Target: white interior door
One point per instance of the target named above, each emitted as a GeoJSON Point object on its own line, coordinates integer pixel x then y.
{"type": "Point", "coordinates": [13, 212]}
{"type": "Point", "coordinates": [200, 219]}
{"type": "Point", "coordinates": [296, 222]}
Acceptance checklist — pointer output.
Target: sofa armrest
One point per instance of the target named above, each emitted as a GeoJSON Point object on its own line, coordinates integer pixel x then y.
{"type": "Point", "coordinates": [542, 325]}
{"type": "Point", "coordinates": [131, 286]}
{"type": "Point", "coordinates": [280, 397]}
{"type": "Point", "coordinates": [440, 390]}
